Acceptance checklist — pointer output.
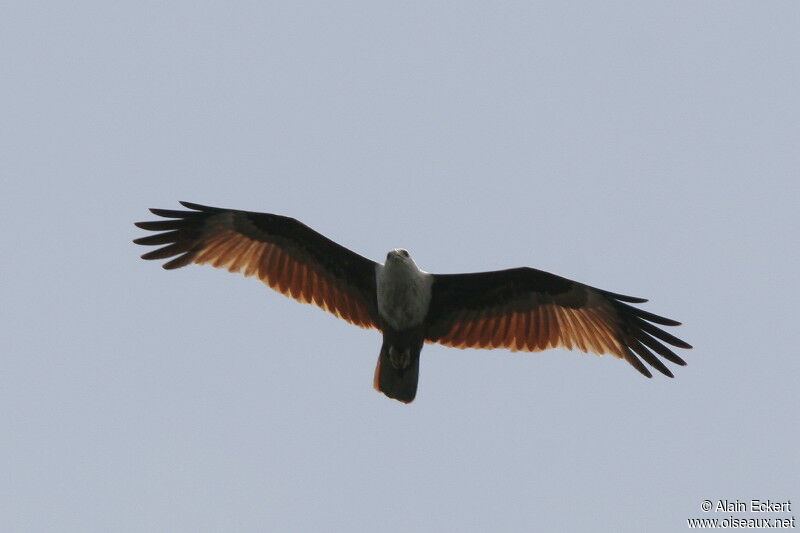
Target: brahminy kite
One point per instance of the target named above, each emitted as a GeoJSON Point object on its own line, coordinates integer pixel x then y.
{"type": "Point", "coordinates": [520, 308]}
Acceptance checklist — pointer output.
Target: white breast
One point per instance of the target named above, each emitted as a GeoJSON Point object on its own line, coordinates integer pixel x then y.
{"type": "Point", "coordinates": [404, 293]}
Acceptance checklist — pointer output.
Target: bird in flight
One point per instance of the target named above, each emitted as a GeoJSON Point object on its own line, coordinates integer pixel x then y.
{"type": "Point", "coordinates": [520, 308]}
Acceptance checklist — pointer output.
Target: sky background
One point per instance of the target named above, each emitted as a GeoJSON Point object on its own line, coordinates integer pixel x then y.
{"type": "Point", "coordinates": [645, 148]}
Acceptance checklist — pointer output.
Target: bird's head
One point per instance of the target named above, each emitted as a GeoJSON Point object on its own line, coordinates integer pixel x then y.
{"type": "Point", "coordinates": [398, 255]}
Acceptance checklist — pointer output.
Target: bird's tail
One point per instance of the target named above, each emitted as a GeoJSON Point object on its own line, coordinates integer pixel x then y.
{"type": "Point", "coordinates": [397, 372]}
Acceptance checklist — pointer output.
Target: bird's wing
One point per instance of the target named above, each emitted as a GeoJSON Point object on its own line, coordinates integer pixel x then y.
{"type": "Point", "coordinates": [285, 254]}
{"type": "Point", "coordinates": [531, 310]}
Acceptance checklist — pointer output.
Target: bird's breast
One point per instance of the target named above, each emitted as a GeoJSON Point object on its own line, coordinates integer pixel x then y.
{"type": "Point", "coordinates": [404, 295]}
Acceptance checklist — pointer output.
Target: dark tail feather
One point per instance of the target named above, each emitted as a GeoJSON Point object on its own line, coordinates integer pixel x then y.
{"type": "Point", "coordinates": [397, 381]}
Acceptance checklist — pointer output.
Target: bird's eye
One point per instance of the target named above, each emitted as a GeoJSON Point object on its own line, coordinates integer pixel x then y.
{"type": "Point", "coordinates": [405, 253]}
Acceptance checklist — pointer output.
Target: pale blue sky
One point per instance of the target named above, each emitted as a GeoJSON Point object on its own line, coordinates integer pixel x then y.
{"type": "Point", "coordinates": [646, 148]}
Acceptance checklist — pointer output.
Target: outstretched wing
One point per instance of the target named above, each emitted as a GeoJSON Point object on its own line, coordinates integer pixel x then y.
{"type": "Point", "coordinates": [531, 310]}
{"type": "Point", "coordinates": [285, 254]}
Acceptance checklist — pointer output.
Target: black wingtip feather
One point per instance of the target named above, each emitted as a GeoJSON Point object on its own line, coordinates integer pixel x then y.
{"type": "Point", "coordinates": [659, 333]}
{"type": "Point", "coordinates": [160, 225]}
{"type": "Point", "coordinates": [659, 348]}
{"type": "Point", "coordinates": [636, 363]}
{"type": "Point", "coordinates": [199, 207]}
{"type": "Point", "coordinates": [158, 238]}
{"type": "Point", "coordinates": [168, 251]}
{"type": "Point", "coordinates": [649, 357]}
{"type": "Point", "coordinates": [180, 261]}
{"type": "Point", "coordinates": [171, 213]}
{"type": "Point", "coordinates": [623, 297]}
{"type": "Point", "coordinates": [658, 319]}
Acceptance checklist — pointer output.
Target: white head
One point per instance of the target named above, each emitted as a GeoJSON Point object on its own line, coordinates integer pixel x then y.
{"type": "Point", "coordinates": [397, 254]}
{"type": "Point", "coordinates": [398, 257]}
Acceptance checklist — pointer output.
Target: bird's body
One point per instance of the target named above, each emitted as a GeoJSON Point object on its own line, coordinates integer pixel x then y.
{"type": "Point", "coordinates": [519, 308]}
{"type": "Point", "coordinates": [404, 296]}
